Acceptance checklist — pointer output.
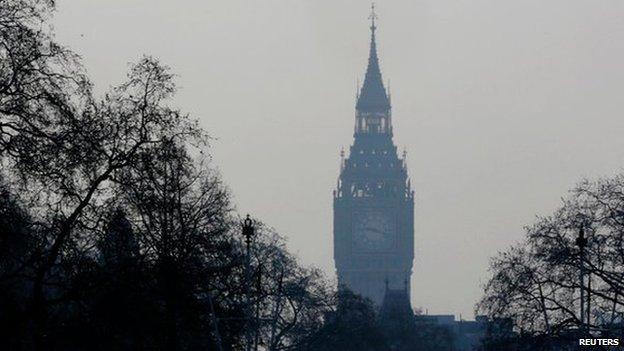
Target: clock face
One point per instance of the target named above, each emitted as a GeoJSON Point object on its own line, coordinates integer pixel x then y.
{"type": "Point", "coordinates": [373, 231]}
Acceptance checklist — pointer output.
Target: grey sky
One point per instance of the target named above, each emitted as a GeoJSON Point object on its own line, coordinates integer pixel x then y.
{"type": "Point", "coordinates": [502, 106]}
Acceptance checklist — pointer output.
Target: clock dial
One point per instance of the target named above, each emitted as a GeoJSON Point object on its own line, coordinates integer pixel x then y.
{"type": "Point", "coordinates": [373, 231]}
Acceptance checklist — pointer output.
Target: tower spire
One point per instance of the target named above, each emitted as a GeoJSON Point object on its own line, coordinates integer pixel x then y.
{"type": "Point", "coordinates": [373, 96]}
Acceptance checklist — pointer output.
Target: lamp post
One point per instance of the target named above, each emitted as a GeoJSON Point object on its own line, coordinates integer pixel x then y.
{"type": "Point", "coordinates": [581, 242]}
{"type": "Point", "coordinates": [248, 233]}
{"type": "Point", "coordinates": [257, 310]}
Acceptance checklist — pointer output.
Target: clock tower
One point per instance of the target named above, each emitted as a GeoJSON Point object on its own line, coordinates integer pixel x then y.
{"type": "Point", "coordinates": [373, 200]}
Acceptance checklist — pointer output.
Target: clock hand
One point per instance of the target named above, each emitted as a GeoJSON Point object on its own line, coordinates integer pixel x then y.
{"type": "Point", "coordinates": [375, 230]}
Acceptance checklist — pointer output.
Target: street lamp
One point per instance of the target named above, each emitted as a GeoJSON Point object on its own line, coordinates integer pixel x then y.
{"type": "Point", "coordinates": [248, 233]}
{"type": "Point", "coordinates": [581, 242]}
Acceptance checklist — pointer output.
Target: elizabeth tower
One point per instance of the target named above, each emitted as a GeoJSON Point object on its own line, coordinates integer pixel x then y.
{"type": "Point", "coordinates": [373, 201]}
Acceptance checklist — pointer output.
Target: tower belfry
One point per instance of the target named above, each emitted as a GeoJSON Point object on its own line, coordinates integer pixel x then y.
{"type": "Point", "coordinates": [373, 202]}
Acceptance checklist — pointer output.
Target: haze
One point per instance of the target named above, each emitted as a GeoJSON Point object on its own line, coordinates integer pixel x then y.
{"type": "Point", "coordinates": [502, 107]}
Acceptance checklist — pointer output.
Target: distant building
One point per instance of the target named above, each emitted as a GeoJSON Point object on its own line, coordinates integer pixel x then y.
{"type": "Point", "coordinates": [373, 200]}
{"type": "Point", "coordinates": [467, 335]}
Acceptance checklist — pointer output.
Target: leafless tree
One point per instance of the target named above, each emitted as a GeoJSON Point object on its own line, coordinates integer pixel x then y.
{"type": "Point", "coordinates": [182, 215]}
{"type": "Point", "coordinates": [64, 146]}
{"type": "Point", "coordinates": [290, 300]}
{"type": "Point", "coordinates": [71, 158]}
{"type": "Point", "coordinates": [537, 284]}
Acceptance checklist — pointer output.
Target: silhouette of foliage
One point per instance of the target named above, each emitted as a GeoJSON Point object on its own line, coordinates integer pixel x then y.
{"type": "Point", "coordinates": [350, 325]}
{"type": "Point", "coordinates": [15, 243]}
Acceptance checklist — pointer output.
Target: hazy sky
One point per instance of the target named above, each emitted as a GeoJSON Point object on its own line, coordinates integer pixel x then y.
{"type": "Point", "coordinates": [501, 105]}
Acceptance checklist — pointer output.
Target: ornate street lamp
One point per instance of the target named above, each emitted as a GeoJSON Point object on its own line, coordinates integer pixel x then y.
{"type": "Point", "coordinates": [248, 233]}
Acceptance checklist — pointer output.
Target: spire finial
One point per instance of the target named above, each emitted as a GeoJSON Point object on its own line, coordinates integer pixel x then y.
{"type": "Point", "coordinates": [373, 17]}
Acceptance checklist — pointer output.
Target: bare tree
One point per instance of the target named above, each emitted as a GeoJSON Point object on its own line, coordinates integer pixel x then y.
{"type": "Point", "coordinates": [537, 282]}
{"type": "Point", "coordinates": [63, 146]}
{"type": "Point", "coordinates": [182, 215]}
{"type": "Point", "coordinates": [290, 301]}
{"type": "Point", "coordinates": [73, 157]}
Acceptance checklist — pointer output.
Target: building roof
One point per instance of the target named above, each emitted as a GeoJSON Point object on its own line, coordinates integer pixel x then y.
{"type": "Point", "coordinates": [396, 305]}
